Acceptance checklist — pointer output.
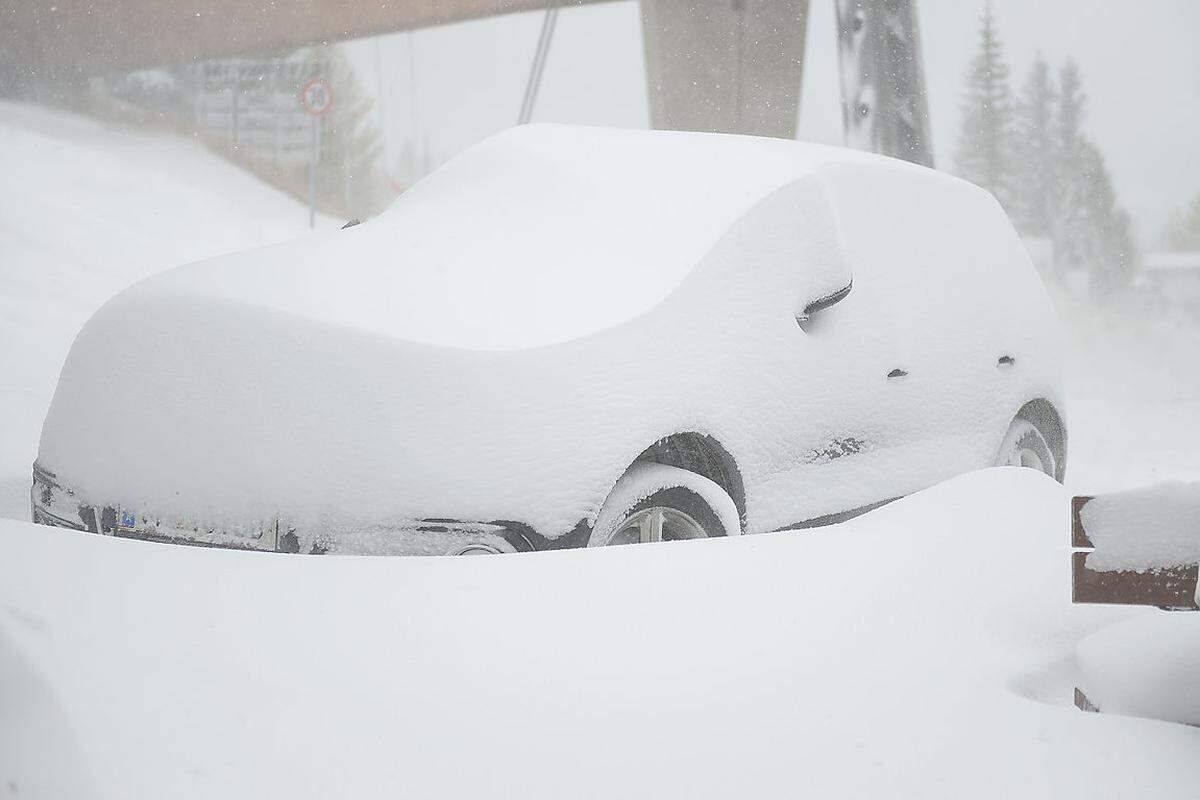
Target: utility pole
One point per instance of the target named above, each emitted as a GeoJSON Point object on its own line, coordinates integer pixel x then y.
{"type": "Point", "coordinates": [539, 65]}
{"type": "Point", "coordinates": [884, 105]}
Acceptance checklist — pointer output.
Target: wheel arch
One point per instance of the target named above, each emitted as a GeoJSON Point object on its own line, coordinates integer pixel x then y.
{"type": "Point", "coordinates": [704, 455]}
{"type": "Point", "coordinates": [1041, 413]}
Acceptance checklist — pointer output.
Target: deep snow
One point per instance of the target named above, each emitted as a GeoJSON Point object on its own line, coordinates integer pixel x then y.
{"type": "Point", "coordinates": [99, 207]}
{"type": "Point", "coordinates": [87, 209]}
{"type": "Point", "coordinates": [925, 650]}
{"type": "Point", "coordinates": [1145, 667]}
{"type": "Point", "coordinates": [1133, 394]}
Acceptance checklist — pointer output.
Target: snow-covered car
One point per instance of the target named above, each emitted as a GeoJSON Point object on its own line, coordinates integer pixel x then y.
{"type": "Point", "coordinates": [568, 336]}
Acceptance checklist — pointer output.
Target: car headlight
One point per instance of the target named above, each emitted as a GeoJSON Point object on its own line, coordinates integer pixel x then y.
{"type": "Point", "coordinates": [52, 504]}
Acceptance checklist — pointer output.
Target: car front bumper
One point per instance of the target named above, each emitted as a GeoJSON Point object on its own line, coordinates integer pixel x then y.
{"type": "Point", "coordinates": [58, 505]}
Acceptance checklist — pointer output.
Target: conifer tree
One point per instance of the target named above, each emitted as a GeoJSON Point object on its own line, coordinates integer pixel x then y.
{"type": "Point", "coordinates": [983, 155]}
{"type": "Point", "coordinates": [1091, 232]}
{"type": "Point", "coordinates": [1036, 160]}
{"type": "Point", "coordinates": [1107, 241]}
{"type": "Point", "coordinates": [1072, 228]}
{"type": "Point", "coordinates": [1035, 186]}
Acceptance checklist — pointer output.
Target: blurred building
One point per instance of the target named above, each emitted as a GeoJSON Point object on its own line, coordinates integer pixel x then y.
{"type": "Point", "coordinates": [1174, 277]}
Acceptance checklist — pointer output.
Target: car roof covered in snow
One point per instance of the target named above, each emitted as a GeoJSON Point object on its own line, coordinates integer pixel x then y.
{"type": "Point", "coordinates": [538, 234]}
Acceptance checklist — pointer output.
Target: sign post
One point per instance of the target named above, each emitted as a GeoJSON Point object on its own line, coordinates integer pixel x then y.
{"type": "Point", "coordinates": [316, 97]}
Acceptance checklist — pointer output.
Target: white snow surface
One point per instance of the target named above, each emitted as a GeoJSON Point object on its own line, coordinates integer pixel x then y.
{"type": "Point", "coordinates": [136, 670]}
{"type": "Point", "coordinates": [1134, 396]}
{"type": "Point", "coordinates": [924, 650]}
{"type": "Point", "coordinates": [252, 385]}
{"type": "Point", "coordinates": [87, 209]}
{"type": "Point", "coordinates": [1147, 528]}
{"type": "Point", "coordinates": [1145, 667]}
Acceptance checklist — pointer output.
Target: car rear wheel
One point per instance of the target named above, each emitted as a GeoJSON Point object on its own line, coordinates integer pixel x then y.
{"type": "Point", "coordinates": [1024, 445]}
{"type": "Point", "coordinates": [660, 503]}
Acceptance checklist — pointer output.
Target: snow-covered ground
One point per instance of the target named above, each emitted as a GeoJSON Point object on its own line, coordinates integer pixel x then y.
{"type": "Point", "coordinates": [1133, 394]}
{"type": "Point", "coordinates": [86, 209]}
{"type": "Point", "coordinates": [924, 650]}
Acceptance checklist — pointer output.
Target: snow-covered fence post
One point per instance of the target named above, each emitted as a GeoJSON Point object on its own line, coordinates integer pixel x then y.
{"type": "Point", "coordinates": [1137, 547]}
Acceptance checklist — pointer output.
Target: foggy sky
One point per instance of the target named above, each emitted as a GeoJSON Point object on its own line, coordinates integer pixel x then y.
{"type": "Point", "coordinates": [1139, 60]}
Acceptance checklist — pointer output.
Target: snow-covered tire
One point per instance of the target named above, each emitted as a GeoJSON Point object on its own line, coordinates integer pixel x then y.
{"type": "Point", "coordinates": [656, 502]}
{"type": "Point", "coordinates": [1024, 445]}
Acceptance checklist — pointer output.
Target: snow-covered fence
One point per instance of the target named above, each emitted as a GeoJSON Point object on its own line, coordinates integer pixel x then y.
{"type": "Point", "coordinates": [1137, 547]}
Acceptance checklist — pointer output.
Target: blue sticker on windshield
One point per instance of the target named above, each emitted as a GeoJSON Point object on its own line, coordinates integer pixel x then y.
{"type": "Point", "coordinates": [128, 520]}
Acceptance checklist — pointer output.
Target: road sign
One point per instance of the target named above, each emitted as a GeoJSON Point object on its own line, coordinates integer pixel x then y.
{"type": "Point", "coordinates": [316, 96]}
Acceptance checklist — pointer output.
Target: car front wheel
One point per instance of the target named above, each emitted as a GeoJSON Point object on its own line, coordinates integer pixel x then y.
{"type": "Point", "coordinates": [1024, 445]}
{"type": "Point", "coordinates": [660, 503]}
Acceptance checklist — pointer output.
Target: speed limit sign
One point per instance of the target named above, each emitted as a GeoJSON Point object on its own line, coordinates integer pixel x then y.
{"type": "Point", "coordinates": [316, 97]}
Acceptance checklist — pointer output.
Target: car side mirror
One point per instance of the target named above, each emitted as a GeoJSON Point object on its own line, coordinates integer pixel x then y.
{"type": "Point", "coordinates": [823, 266]}
{"type": "Point", "coordinates": [823, 302]}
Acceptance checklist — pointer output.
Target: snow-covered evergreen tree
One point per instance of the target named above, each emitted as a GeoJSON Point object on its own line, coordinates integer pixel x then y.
{"type": "Point", "coordinates": [1072, 228]}
{"type": "Point", "coordinates": [1104, 236]}
{"type": "Point", "coordinates": [983, 155]}
{"type": "Point", "coordinates": [1091, 232]}
{"type": "Point", "coordinates": [1034, 197]}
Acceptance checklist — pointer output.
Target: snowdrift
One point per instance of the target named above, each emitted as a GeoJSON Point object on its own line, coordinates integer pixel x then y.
{"type": "Point", "coordinates": [1146, 667]}
{"type": "Point", "coordinates": [924, 650]}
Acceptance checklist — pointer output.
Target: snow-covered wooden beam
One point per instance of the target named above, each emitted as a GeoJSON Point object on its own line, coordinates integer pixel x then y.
{"type": "Point", "coordinates": [1138, 547]}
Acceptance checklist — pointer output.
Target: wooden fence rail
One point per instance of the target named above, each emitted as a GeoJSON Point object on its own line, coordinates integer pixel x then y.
{"type": "Point", "coordinates": [1170, 586]}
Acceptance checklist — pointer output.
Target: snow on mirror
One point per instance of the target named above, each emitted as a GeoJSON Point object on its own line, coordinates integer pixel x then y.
{"type": "Point", "coordinates": [826, 276]}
